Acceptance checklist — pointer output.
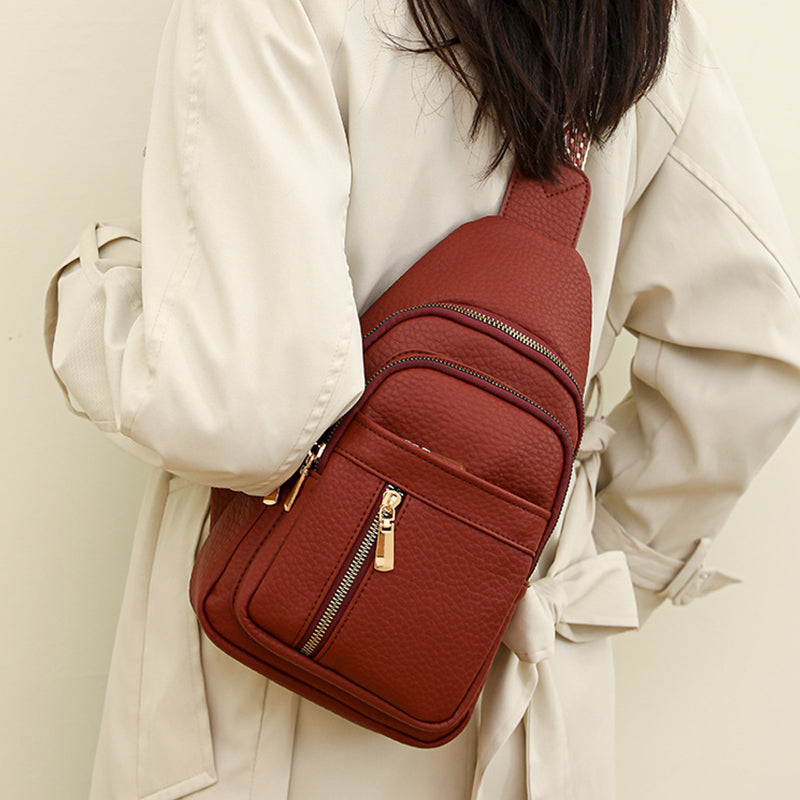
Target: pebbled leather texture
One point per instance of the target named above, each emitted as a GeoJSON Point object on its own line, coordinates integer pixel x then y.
{"type": "Point", "coordinates": [554, 208]}
{"type": "Point", "coordinates": [435, 603]}
{"type": "Point", "coordinates": [478, 430]}
{"type": "Point", "coordinates": [504, 267]}
{"type": "Point", "coordinates": [408, 403]}
{"type": "Point", "coordinates": [319, 542]}
{"type": "Point", "coordinates": [501, 358]}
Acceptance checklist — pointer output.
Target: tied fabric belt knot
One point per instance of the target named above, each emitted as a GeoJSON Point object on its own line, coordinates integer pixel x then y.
{"type": "Point", "coordinates": [583, 596]}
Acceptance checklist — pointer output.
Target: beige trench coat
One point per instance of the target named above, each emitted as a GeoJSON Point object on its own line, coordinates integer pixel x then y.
{"type": "Point", "coordinates": [295, 166]}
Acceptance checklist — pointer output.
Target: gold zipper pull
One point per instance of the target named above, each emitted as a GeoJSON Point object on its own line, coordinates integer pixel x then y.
{"type": "Point", "coordinates": [384, 547]}
{"type": "Point", "coordinates": [272, 497]}
{"type": "Point", "coordinates": [308, 462]}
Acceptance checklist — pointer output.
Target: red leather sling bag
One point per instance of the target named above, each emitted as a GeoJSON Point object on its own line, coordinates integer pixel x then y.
{"type": "Point", "coordinates": [380, 579]}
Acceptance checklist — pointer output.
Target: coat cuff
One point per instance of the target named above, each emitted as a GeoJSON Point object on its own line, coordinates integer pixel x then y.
{"type": "Point", "coordinates": [656, 576]}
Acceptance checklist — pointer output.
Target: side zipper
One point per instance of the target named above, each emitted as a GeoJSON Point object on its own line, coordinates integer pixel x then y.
{"type": "Point", "coordinates": [311, 458]}
{"type": "Point", "coordinates": [380, 533]}
{"type": "Point", "coordinates": [309, 462]}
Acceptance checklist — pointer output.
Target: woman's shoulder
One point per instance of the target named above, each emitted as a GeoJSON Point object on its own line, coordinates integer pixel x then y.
{"type": "Point", "coordinates": [687, 60]}
{"type": "Point", "coordinates": [659, 116]}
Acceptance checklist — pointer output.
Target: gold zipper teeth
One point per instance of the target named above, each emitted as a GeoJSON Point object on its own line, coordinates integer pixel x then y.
{"type": "Point", "coordinates": [515, 333]}
{"type": "Point", "coordinates": [312, 643]}
{"type": "Point", "coordinates": [466, 370]}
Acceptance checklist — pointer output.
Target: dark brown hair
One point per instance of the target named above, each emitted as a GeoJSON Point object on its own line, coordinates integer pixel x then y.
{"type": "Point", "coordinates": [535, 66]}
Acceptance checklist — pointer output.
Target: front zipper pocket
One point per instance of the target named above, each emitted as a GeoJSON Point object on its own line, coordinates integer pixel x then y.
{"type": "Point", "coordinates": [348, 527]}
{"type": "Point", "coordinates": [421, 635]}
{"type": "Point", "coordinates": [374, 548]}
{"type": "Point", "coordinates": [410, 534]}
{"type": "Point", "coordinates": [287, 581]}
{"type": "Point", "coordinates": [395, 559]}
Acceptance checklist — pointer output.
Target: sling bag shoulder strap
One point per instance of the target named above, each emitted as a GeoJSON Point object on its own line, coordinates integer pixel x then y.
{"type": "Point", "coordinates": [555, 209]}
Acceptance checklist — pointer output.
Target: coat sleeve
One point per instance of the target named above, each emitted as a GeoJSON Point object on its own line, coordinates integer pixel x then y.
{"type": "Point", "coordinates": [707, 282]}
{"type": "Point", "coordinates": [227, 340]}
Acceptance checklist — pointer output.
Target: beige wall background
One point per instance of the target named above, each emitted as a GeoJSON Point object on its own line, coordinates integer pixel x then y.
{"type": "Point", "coordinates": [708, 695]}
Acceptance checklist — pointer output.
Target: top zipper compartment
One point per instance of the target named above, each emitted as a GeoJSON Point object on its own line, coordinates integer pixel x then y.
{"type": "Point", "coordinates": [488, 319]}
{"type": "Point", "coordinates": [421, 359]}
{"type": "Point", "coordinates": [518, 334]}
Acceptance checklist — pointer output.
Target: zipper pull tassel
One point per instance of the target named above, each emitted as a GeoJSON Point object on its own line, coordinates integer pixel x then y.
{"type": "Point", "coordinates": [311, 457]}
{"type": "Point", "coordinates": [384, 546]}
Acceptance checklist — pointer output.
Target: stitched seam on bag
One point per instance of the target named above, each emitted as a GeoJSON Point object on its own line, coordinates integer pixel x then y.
{"type": "Point", "coordinates": [563, 189]}
{"type": "Point", "coordinates": [538, 513]}
{"type": "Point", "coordinates": [436, 504]}
{"type": "Point", "coordinates": [448, 512]}
{"type": "Point", "coordinates": [339, 628]}
{"type": "Point", "coordinates": [255, 552]}
{"type": "Point", "coordinates": [509, 200]}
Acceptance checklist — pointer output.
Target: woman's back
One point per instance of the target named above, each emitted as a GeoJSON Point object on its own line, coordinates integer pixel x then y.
{"type": "Point", "coordinates": [296, 165]}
